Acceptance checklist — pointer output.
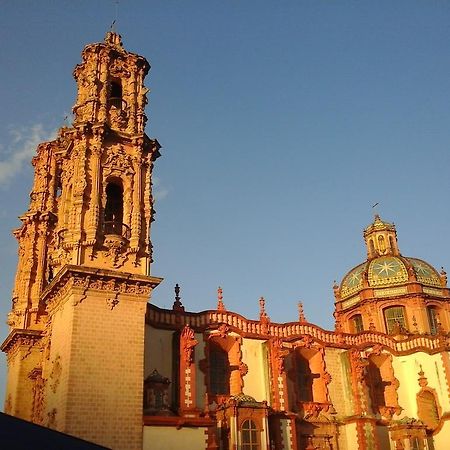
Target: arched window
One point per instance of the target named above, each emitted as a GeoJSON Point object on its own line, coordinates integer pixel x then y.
{"type": "Point", "coordinates": [219, 371]}
{"type": "Point", "coordinates": [433, 319]}
{"type": "Point", "coordinates": [115, 94]}
{"type": "Point", "coordinates": [114, 209]}
{"type": "Point", "coordinates": [249, 435]}
{"type": "Point", "coordinates": [357, 323]}
{"type": "Point", "coordinates": [394, 315]}
{"type": "Point", "coordinates": [304, 379]}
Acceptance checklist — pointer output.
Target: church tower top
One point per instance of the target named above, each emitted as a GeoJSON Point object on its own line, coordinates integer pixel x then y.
{"type": "Point", "coordinates": [111, 87]}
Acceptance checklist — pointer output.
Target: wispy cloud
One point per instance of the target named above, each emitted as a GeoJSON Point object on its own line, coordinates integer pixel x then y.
{"type": "Point", "coordinates": [20, 149]}
{"type": "Point", "coordinates": [160, 192]}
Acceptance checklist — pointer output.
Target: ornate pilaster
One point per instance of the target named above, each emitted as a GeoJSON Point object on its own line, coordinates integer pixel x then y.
{"type": "Point", "coordinates": [187, 372]}
{"type": "Point", "coordinates": [279, 384]}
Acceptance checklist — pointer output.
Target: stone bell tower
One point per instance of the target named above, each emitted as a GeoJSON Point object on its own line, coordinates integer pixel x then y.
{"type": "Point", "coordinates": [76, 344]}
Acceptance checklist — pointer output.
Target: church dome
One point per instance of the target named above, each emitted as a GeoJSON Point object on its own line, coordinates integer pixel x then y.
{"type": "Point", "coordinates": [385, 267]}
{"type": "Point", "coordinates": [386, 271]}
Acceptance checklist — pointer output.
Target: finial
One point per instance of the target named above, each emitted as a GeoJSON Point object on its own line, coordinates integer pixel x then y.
{"type": "Point", "coordinates": [262, 307]}
{"type": "Point", "coordinates": [423, 381]}
{"type": "Point", "coordinates": [177, 305]}
{"type": "Point", "coordinates": [220, 304]}
{"type": "Point", "coordinates": [443, 277]}
{"type": "Point", "coordinates": [301, 314]}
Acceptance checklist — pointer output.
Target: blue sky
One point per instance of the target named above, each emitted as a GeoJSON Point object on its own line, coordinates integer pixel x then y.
{"type": "Point", "coordinates": [282, 123]}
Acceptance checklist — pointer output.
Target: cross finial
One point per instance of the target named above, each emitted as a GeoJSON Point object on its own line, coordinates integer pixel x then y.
{"type": "Point", "coordinates": [262, 308]}
{"type": "Point", "coordinates": [301, 314]}
{"type": "Point", "coordinates": [220, 304]}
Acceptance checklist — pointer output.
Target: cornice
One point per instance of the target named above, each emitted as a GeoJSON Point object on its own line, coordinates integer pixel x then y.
{"type": "Point", "coordinates": [21, 337]}
{"type": "Point", "coordinates": [90, 278]}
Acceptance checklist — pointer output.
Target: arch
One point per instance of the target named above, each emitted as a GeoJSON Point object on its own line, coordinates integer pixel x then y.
{"type": "Point", "coordinates": [249, 435]}
{"type": "Point", "coordinates": [113, 212]}
{"type": "Point", "coordinates": [115, 93]}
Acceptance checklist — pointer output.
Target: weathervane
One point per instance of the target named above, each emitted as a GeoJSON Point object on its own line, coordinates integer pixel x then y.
{"type": "Point", "coordinates": [375, 209]}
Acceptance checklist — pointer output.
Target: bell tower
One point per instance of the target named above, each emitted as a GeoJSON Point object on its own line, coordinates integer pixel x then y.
{"type": "Point", "coordinates": [76, 343]}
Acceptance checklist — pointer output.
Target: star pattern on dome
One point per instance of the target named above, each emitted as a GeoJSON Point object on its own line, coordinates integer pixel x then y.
{"type": "Point", "coordinates": [386, 268]}
{"type": "Point", "coordinates": [355, 277]}
{"type": "Point", "coordinates": [425, 273]}
{"type": "Point", "coordinates": [422, 269]}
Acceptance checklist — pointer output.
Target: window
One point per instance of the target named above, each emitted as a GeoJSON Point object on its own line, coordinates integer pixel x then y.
{"type": "Point", "coordinates": [304, 378]}
{"type": "Point", "coordinates": [395, 315]}
{"type": "Point", "coordinates": [357, 323]}
{"type": "Point", "coordinates": [433, 319]}
{"type": "Point", "coordinates": [376, 386]}
{"type": "Point", "coordinates": [219, 371]}
{"type": "Point", "coordinates": [249, 436]}
{"type": "Point", "coordinates": [114, 209]}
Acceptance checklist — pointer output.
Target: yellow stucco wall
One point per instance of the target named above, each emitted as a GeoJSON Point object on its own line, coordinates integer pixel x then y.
{"type": "Point", "coordinates": [169, 438]}
{"type": "Point", "coordinates": [256, 380]}
{"type": "Point", "coordinates": [350, 435]}
{"type": "Point", "coordinates": [406, 370]}
{"type": "Point", "coordinates": [441, 440]}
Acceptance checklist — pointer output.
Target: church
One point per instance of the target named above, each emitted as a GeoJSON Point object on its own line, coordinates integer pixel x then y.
{"type": "Point", "coordinates": [89, 355]}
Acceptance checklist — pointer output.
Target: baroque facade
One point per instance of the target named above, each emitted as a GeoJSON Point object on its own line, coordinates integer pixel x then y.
{"type": "Point", "coordinates": [89, 356]}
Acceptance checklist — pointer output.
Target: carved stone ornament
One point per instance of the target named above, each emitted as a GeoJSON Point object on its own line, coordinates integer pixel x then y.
{"type": "Point", "coordinates": [188, 342]}
{"type": "Point", "coordinates": [116, 250]}
{"type": "Point", "coordinates": [279, 354]}
{"type": "Point", "coordinates": [359, 364]}
{"type": "Point", "coordinates": [112, 302]}
{"type": "Point", "coordinates": [243, 368]}
{"type": "Point", "coordinates": [55, 374]}
{"type": "Point", "coordinates": [117, 159]}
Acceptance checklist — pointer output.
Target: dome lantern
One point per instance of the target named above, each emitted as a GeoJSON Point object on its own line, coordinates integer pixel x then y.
{"type": "Point", "coordinates": [381, 239]}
